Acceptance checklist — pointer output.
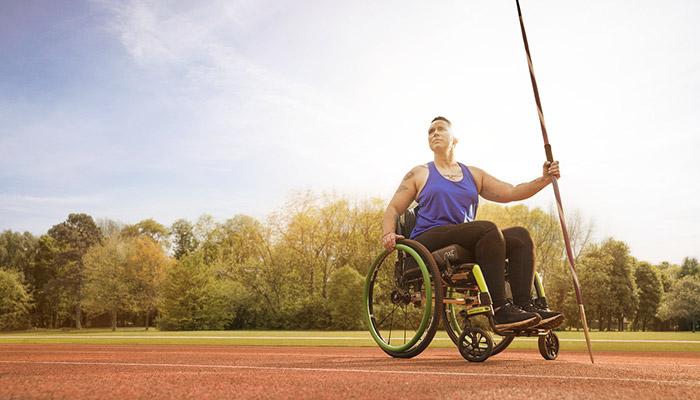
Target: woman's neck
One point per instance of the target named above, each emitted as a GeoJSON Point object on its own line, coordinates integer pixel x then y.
{"type": "Point", "coordinates": [445, 160]}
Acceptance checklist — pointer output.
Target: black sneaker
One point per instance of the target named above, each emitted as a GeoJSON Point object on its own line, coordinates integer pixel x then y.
{"type": "Point", "coordinates": [510, 317]}
{"type": "Point", "coordinates": [550, 319]}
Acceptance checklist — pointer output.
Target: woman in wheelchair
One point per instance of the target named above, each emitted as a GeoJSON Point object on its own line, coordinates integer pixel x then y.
{"type": "Point", "coordinates": [447, 193]}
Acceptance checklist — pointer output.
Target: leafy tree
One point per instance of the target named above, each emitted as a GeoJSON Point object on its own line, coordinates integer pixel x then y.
{"type": "Point", "coordinates": [194, 298]}
{"type": "Point", "coordinates": [237, 238]}
{"type": "Point", "coordinates": [690, 267]}
{"type": "Point", "coordinates": [149, 265]}
{"type": "Point", "coordinates": [682, 303]}
{"type": "Point", "coordinates": [318, 233]}
{"type": "Point", "coordinates": [594, 271]}
{"type": "Point", "coordinates": [208, 234]}
{"type": "Point", "coordinates": [17, 252]}
{"type": "Point", "coordinates": [108, 287]}
{"type": "Point", "coordinates": [650, 291]}
{"type": "Point", "coordinates": [607, 285]}
{"type": "Point", "coordinates": [47, 295]}
{"type": "Point", "coordinates": [183, 237]}
{"type": "Point", "coordinates": [362, 244]}
{"type": "Point", "coordinates": [669, 274]}
{"type": "Point", "coordinates": [345, 288]}
{"type": "Point", "coordinates": [148, 228]}
{"type": "Point", "coordinates": [623, 293]}
{"type": "Point", "coordinates": [250, 258]}
{"type": "Point", "coordinates": [15, 301]}
{"type": "Point", "coordinates": [74, 238]}
{"type": "Point", "coordinates": [109, 227]}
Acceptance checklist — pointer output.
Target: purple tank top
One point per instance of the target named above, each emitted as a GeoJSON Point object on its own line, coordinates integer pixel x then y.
{"type": "Point", "coordinates": [444, 202]}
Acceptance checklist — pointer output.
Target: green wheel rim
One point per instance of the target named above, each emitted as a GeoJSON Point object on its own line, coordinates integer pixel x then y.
{"type": "Point", "coordinates": [428, 302]}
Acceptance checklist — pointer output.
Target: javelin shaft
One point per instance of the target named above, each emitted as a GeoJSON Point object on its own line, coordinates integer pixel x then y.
{"type": "Point", "coordinates": [555, 185]}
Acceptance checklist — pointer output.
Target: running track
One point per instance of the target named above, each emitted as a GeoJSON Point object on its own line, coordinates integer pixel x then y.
{"type": "Point", "coordinates": [31, 371]}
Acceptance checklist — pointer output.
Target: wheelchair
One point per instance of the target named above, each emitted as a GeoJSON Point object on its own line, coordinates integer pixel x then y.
{"type": "Point", "coordinates": [409, 290]}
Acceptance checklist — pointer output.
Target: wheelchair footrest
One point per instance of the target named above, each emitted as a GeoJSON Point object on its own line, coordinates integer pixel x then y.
{"type": "Point", "coordinates": [523, 332]}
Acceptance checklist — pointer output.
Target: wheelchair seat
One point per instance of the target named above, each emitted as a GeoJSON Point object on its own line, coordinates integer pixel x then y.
{"type": "Point", "coordinates": [452, 255]}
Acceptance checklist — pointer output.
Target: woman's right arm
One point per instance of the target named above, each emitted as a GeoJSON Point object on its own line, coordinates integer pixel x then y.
{"type": "Point", "coordinates": [405, 194]}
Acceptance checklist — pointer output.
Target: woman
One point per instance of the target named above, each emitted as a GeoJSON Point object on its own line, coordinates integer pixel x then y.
{"type": "Point", "coordinates": [448, 195]}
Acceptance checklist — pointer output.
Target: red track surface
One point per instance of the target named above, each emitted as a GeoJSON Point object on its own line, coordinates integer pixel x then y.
{"type": "Point", "coordinates": [158, 372]}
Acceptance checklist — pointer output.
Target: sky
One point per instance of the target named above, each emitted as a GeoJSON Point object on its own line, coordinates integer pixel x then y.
{"type": "Point", "coordinates": [163, 109]}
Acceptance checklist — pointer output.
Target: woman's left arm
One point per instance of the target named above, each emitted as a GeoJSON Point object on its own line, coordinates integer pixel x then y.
{"type": "Point", "coordinates": [493, 189]}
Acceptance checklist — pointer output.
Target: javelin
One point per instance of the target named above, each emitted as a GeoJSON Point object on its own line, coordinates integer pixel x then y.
{"type": "Point", "coordinates": [555, 185]}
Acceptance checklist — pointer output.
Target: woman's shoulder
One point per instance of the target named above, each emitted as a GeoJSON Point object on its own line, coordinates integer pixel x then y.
{"type": "Point", "coordinates": [419, 173]}
{"type": "Point", "coordinates": [477, 175]}
{"type": "Point", "coordinates": [474, 170]}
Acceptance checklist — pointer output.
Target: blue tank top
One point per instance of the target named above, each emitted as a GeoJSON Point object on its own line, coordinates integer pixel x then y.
{"type": "Point", "coordinates": [444, 202]}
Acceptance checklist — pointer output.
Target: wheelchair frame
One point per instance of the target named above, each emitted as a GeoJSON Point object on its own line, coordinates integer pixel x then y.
{"type": "Point", "coordinates": [397, 301]}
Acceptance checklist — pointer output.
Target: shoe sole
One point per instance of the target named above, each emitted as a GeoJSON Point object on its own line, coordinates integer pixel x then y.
{"type": "Point", "coordinates": [550, 323]}
{"type": "Point", "coordinates": [518, 325]}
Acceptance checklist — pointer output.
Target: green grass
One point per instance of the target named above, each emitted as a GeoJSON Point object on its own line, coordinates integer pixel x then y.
{"type": "Point", "coordinates": [569, 340]}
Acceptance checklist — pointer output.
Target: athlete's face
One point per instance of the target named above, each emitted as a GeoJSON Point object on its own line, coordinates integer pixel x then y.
{"type": "Point", "coordinates": [440, 136]}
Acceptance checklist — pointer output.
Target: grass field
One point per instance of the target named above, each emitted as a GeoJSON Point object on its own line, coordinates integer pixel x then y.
{"type": "Point", "coordinates": [569, 340]}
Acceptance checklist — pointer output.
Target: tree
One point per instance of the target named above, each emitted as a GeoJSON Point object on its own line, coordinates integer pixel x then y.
{"type": "Point", "coordinates": [17, 252]}
{"type": "Point", "coordinates": [109, 286]}
{"type": "Point", "coordinates": [50, 305]}
{"type": "Point", "coordinates": [669, 274]}
{"type": "Point", "coordinates": [182, 232]}
{"type": "Point", "coordinates": [623, 292]}
{"type": "Point", "coordinates": [15, 301]}
{"type": "Point", "coordinates": [237, 239]}
{"type": "Point", "coordinates": [148, 228]}
{"type": "Point", "coordinates": [690, 267]}
{"type": "Point", "coordinates": [594, 271]}
{"type": "Point", "coordinates": [251, 259]}
{"type": "Point", "coordinates": [317, 232]}
{"type": "Point", "coordinates": [607, 285]}
{"type": "Point", "coordinates": [149, 265]}
{"type": "Point", "coordinates": [682, 302]}
{"type": "Point", "coordinates": [193, 297]}
{"type": "Point", "coordinates": [345, 288]}
{"type": "Point", "coordinates": [650, 291]}
{"type": "Point", "coordinates": [74, 237]}
{"type": "Point", "coordinates": [109, 227]}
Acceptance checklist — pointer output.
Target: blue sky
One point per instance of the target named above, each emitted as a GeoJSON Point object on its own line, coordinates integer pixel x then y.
{"type": "Point", "coordinates": [172, 109]}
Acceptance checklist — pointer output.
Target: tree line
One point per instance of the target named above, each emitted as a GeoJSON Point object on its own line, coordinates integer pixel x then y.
{"type": "Point", "coordinates": [301, 267]}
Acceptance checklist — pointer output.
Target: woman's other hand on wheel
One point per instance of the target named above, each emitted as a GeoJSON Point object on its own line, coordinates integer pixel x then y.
{"type": "Point", "coordinates": [389, 240]}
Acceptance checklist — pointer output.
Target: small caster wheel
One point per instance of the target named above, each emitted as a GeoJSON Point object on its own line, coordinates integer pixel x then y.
{"type": "Point", "coordinates": [549, 345]}
{"type": "Point", "coordinates": [475, 344]}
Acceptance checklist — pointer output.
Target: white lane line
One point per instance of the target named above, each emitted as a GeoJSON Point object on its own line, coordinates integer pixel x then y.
{"type": "Point", "coordinates": [316, 338]}
{"type": "Point", "coordinates": [361, 371]}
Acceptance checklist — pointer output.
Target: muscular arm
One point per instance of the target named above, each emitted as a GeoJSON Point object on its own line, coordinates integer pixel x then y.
{"type": "Point", "coordinates": [404, 195]}
{"type": "Point", "coordinates": [493, 189]}
{"type": "Point", "coordinates": [402, 198]}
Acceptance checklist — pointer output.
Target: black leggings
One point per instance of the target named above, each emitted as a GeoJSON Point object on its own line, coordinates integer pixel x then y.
{"type": "Point", "coordinates": [491, 247]}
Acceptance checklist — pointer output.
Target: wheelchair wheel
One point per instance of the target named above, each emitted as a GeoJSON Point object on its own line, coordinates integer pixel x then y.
{"type": "Point", "coordinates": [454, 321]}
{"type": "Point", "coordinates": [402, 308]}
{"type": "Point", "coordinates": [549, 346]}
{"type": "Point", "coordinates": [475, 344]}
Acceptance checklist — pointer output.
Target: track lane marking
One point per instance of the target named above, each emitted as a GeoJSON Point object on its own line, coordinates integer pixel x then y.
{"type": "Point", "coordinates": [318, 338]}
{"type": "Point", "coordinates": [352, 370]}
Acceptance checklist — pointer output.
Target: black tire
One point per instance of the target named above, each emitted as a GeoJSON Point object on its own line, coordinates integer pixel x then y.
{"type": "Point", "coordinates": [454, 322]}
{"type": "Point", "coordinates": [402, 326]}
{"type": "Point", "coordinates": [549, 345]}
{"type": "Point", "coordinates": [475, 344]}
